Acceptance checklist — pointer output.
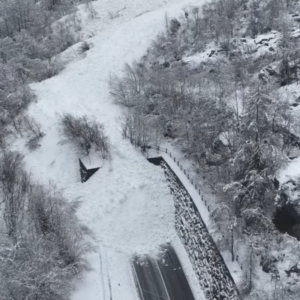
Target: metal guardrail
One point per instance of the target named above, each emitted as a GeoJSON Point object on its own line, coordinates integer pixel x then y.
{"type": "Point", "coordinates": [197, 187]}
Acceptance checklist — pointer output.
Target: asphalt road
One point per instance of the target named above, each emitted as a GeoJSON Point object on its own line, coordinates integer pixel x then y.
{"type": "Point", "coordinates": [161, 278]}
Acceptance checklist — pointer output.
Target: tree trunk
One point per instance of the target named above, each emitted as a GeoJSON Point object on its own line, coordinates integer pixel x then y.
{"type": "Point", "coordinates": [232, 245]}
{"type": "Point", "coordinates": [250, 269]}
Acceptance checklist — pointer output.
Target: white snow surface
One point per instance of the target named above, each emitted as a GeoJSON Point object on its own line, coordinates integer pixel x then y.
{"type": "Point", "coordinates": [126, 203]}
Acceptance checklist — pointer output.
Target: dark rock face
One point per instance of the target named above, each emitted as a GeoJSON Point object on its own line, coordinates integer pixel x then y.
{"type": "Point", "coordinates": [268, 264]}
{"type": "Point", "coordinates": [212, 53]}
{"type": "Point", "coordinates": [166, 64]}
{"type": "Point", "coordinates": [263, 41]}
{"type": "Point", "coordinates": [211, 270]}
{"type": "Point", "coordinates": [294, 269]}
{"type": "Point", "coordinates": [174, 25]}
{"type": "Point", "coordinates": [271, 71]}
{"type": "Point", "coordinates": [286, 219]}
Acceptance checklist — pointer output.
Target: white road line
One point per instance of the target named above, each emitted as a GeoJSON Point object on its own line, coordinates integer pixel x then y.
{"type": "Point", "coordinates": [162, 280]}
{"type": "Point", "coordinates": [138, 282]}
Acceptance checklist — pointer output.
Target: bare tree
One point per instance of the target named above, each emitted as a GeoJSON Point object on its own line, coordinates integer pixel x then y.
{"type": "Point", "coordinates": [227, 223]}
{"type": "Point", "coordinates": [85, 134]}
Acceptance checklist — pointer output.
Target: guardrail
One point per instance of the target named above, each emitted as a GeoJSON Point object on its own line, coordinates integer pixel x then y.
{"type": "Point", "coordinates": [194, 184]}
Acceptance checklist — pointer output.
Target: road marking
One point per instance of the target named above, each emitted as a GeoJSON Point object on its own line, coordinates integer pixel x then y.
{"type": "Point", "coordinates": [162, 280]}
{"type": "Point", "coordinates": [138, 282]}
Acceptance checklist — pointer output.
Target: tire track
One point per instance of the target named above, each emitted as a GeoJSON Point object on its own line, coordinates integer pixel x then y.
{"type": "Point", "coordinates": [161, 278]}
{"type": "Point", "coordinates": [101, 274]}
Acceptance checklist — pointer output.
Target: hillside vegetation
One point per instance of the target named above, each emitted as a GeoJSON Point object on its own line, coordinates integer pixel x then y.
{"type": "Point", "coordinates": [221, 84]}
{"type": "Point", "coordinates": [32, 34]}
{"type": "Point", "coordinates": [42, 242]}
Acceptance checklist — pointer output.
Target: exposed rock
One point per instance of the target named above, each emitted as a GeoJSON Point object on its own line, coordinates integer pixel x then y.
{"type": "Point", "coordinates": [212, 53]}
{"type": "Point", "coordinates": [264, 40]}
{"type": "Point", "coordinates": [293, 269]}
{"type": "Point", "coordinates": [166, 64]}
{"type": "Point", "coordinates": [174, 25]}
{"type": "Point", "coordinates": [268, 264]}
{"type": "Point", "coordinates": [271, 71]}
{"type": "Point", "coordinates": [297, 19]}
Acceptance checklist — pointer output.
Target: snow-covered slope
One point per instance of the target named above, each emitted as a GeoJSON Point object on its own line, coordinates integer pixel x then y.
{"type": "Point", "coordinates": [127, 203]}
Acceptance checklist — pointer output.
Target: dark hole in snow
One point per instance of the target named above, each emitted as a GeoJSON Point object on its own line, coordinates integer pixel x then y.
{"type": "Point", "coordinates": [155, 160]}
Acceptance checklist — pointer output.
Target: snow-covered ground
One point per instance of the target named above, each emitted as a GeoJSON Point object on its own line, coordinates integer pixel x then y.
{"type": "Point", "coordinates": [126, 203]}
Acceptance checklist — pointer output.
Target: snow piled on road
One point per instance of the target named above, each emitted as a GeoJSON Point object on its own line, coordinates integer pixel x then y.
{"type": "Point", "coordinates": [127, 202]}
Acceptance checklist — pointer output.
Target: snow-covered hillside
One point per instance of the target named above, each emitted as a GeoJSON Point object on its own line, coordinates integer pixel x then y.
{"type": "Point", "coordinates": [213, 90]}
{"type": "Point", "coordinates": [127, 203]}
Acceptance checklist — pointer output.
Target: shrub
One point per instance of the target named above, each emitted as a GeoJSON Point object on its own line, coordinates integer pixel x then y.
{"type": "Point", "coordinates": [17, 101]}
{"type": "Point", "coordinates": [27, 127]}
{"type": "Point", "coordinates": [54, 218]}
{"type": "Point", "coordinates": [33, 128]}
{"type": "Point", "coordinates": [48, 69]}
{"type": "Point", "coordinates": [85, 134]}
{"type": "Point", "coordinates": [10, 166]}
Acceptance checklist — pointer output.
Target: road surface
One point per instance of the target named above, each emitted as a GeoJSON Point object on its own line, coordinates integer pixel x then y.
{"type": "Point", "coordinates": [161, 277]}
